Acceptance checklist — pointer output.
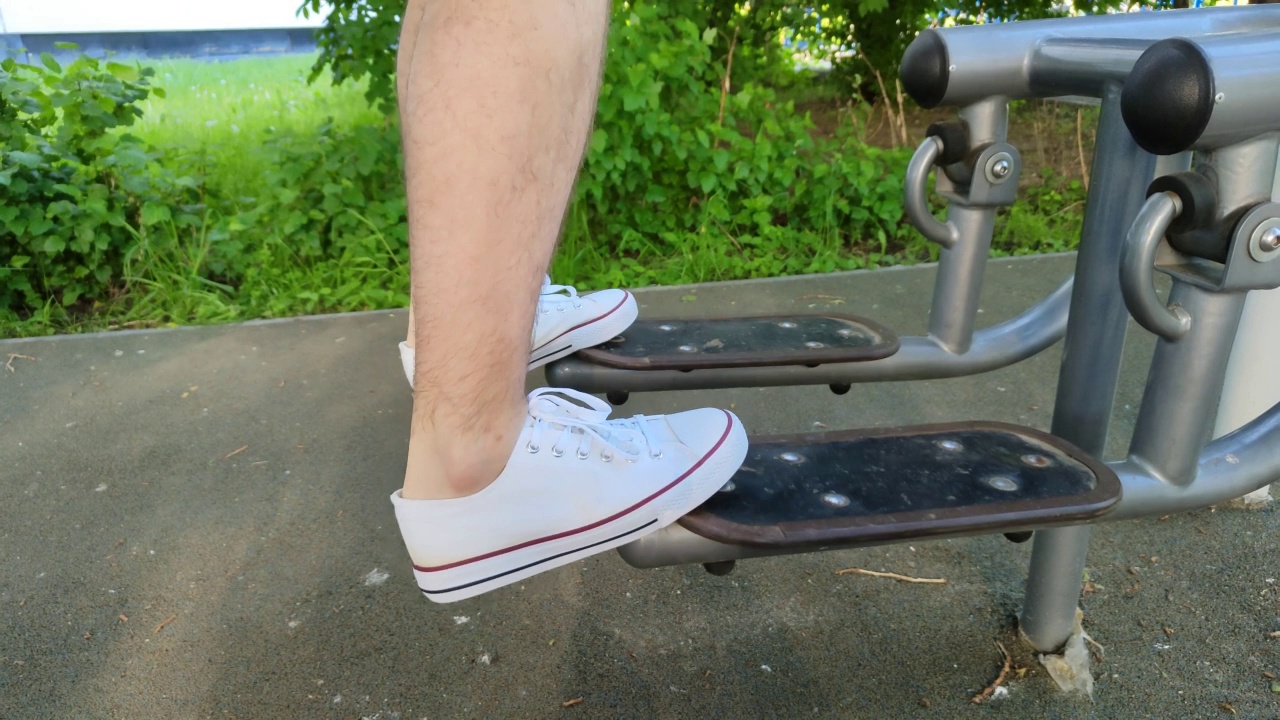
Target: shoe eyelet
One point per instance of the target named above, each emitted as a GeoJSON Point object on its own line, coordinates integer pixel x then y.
{"type": "Point", "coordinates": [560, 308]}
{"type": "Point", "coordinates": [582, 455]}
{"type": "Point", "coordinates": [656, 456]}
{"type": "Point", "coordinates": [556, 452]}
{"type": "Point", "coordinates": [607, 457]}
{"type": "Point", "coordinates": [532, 448]}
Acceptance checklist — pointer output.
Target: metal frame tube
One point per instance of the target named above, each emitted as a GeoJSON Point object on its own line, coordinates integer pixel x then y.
{"type": "Point", "coordinates": [1080, 65]}
{"type": "Point", "coordinates": [1091, 363]}
{"type": "Point", "coordinates": [1229, 467]}
{"type": "Point", "coordinates": [1251, 386]}
{"type": "Point", "coordinates": [918, 358]}
{"type": "Point", "coordinates": [960, 65]}
{"type": "Point", "coordinates": [1184, 385]}
{"type": "Point", "coordinates": [958, 286]}
{"type": "Point", "coordinates": [972, 220]}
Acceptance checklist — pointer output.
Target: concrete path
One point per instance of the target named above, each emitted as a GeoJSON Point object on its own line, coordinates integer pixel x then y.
{"type": "Point", "coordinates": [194, 523]}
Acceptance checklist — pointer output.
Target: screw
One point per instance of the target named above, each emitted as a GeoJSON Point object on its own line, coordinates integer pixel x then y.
{"type": "Point", "coordinates": [1001, 482]}
{"type": "Point", "coordinates": [999, 168]}
{"type": "Point", "coordinates": [688, 349]}
{"type": "Point", "coordinates": [786, 324]}
{"type": "Point", "coordinates": [1270, 240]}
{"type": "Point", "coordinates": [814, 345]}
{"type": "Point", "coordinates": [951, 445]}
{"type": "Point", "coordinates": [1036, 460]}
{"type": "Point", "coordinates": [791, 457]}
{"type": "Point", "coordinates": [834, 499]}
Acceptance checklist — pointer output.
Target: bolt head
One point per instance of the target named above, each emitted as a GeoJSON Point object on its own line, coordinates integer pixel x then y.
{"type": "Point", "coordinates": [1001, 168]}
{"type": "Point", "coordinates": [1270, 239]}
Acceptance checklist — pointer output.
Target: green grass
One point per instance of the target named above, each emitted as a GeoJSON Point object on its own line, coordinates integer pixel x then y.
{"type": "Point", "coordinates": [214, 123]}
{"type": "Point", "coordinates": [223, 110]}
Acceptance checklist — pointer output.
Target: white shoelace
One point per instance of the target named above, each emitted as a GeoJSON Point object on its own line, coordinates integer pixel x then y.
{"type": "Point", "coordinates": [553, 411]}
{"type": "Point", "coordinates": [557, 296]}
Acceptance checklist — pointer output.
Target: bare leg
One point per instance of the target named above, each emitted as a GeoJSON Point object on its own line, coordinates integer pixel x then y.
{"type": "Point", "coordinates": [496, 107]}
{"type": "Point", "coordinates": [410, 22]}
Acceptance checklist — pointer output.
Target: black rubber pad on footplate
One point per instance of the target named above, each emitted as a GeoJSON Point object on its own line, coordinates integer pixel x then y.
{"type": "Point", "coordinates": [870, 486]}
{"type": "Point", "coordinates": [744, 342]}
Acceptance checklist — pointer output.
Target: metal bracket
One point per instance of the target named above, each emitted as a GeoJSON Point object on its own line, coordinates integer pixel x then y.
{"type": "Point", "coordinates": [1255, 242]}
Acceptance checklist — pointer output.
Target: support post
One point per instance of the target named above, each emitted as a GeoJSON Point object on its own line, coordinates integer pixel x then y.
{"type": "Point", "coordinates": [1252, 385]}
{"type": "Point", "coordinates": [1090, 365]}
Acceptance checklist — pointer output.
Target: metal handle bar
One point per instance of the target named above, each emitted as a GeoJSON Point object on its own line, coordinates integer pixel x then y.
{"type": "Point", "coordinates": [1137, 269]}
{"type": "Point", "coordinates": [916, 201]}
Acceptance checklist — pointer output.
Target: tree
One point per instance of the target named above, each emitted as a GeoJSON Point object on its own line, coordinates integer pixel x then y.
{"type": "Point", "coordinates": [359, 37]}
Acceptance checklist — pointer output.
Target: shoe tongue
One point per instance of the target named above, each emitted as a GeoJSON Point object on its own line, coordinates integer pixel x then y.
{"type": "Point", "coordinates": [559, 410]}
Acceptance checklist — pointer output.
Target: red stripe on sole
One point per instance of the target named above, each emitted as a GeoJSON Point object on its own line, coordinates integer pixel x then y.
{"type": "Point", "coordinates": [593, 525]}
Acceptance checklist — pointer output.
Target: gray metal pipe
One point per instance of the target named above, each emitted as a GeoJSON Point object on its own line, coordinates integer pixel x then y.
{"type": "Point", "coordinates": [1081, 66]}
{"type": "Point", "coordinates": [959, 283]}
{"type": "Point", "coordinates": [1230, 467]}
{"type": "Point", "coordinates": [918, 358]}
{"type": "Point", "coordinates": [1184, 384]}
{"type": "Point", "coordinates": [961, 65]}
{"type": "Point", "coordinates": [1090, 364]}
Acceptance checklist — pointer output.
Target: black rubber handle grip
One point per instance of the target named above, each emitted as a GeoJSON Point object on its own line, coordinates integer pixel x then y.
{"type": "Point", "coordinates": [1168, 98]}
{"type": "Point", "coordinates": [926, 69]}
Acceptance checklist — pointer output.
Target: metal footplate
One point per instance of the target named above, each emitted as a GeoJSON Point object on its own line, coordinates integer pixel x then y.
{"type": "Point", "coordinates": [744, 342]}
{"type": "Point", "coordinates": [876, 486]}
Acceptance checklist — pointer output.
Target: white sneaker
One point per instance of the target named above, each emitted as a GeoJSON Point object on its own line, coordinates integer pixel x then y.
{"type": "Point", "coordinates": [566, 323]}
{"type": "Point", "coordinates": [576, 484]}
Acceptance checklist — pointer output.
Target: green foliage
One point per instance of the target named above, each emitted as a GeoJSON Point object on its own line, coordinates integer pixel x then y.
{"type": "Point", "coordinates": [324, 192]}
{"type": "Point", "coordinates": [357, 42]}
{"type": "Point", "coordinates": [75, 191]}
{"type": "Point", "coordinates": [294, 203]}
{"type": "Point", "coordinates": [1047, 218]}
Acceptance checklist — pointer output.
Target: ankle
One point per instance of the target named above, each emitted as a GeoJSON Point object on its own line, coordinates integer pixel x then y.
{"type": "Point", "coordinates": [444, 465]}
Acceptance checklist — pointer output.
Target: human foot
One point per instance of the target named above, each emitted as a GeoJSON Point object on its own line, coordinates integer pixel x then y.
{"type": "Point", "coordinates": [576, 484]}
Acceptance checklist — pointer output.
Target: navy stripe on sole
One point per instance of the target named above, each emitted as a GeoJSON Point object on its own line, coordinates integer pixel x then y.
{"type": "Point", "coordinates": [544, 356]}
{"type": "Point", "coordinates": [536, 562]}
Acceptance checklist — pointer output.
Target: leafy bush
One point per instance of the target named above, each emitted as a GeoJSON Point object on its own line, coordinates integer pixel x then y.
{"type": "Point", "coordinates": [672, 153]}
{"type": "Point", "coordinates": [75, 193]}
{"type": "Point", "coordinates": [322, 193]}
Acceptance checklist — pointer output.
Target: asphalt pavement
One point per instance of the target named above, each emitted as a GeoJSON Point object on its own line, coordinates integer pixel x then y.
{"type": "Point", "coordinates": [194, 523]}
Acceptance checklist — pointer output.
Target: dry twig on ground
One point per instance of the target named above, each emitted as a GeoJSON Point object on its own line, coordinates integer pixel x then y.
{"type": "Point", "coordinates": [892, 576]}
{"type": "Point", "coordinates": [8, 364]}
{"type": "Point", "coordinates": [1004, 673]}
